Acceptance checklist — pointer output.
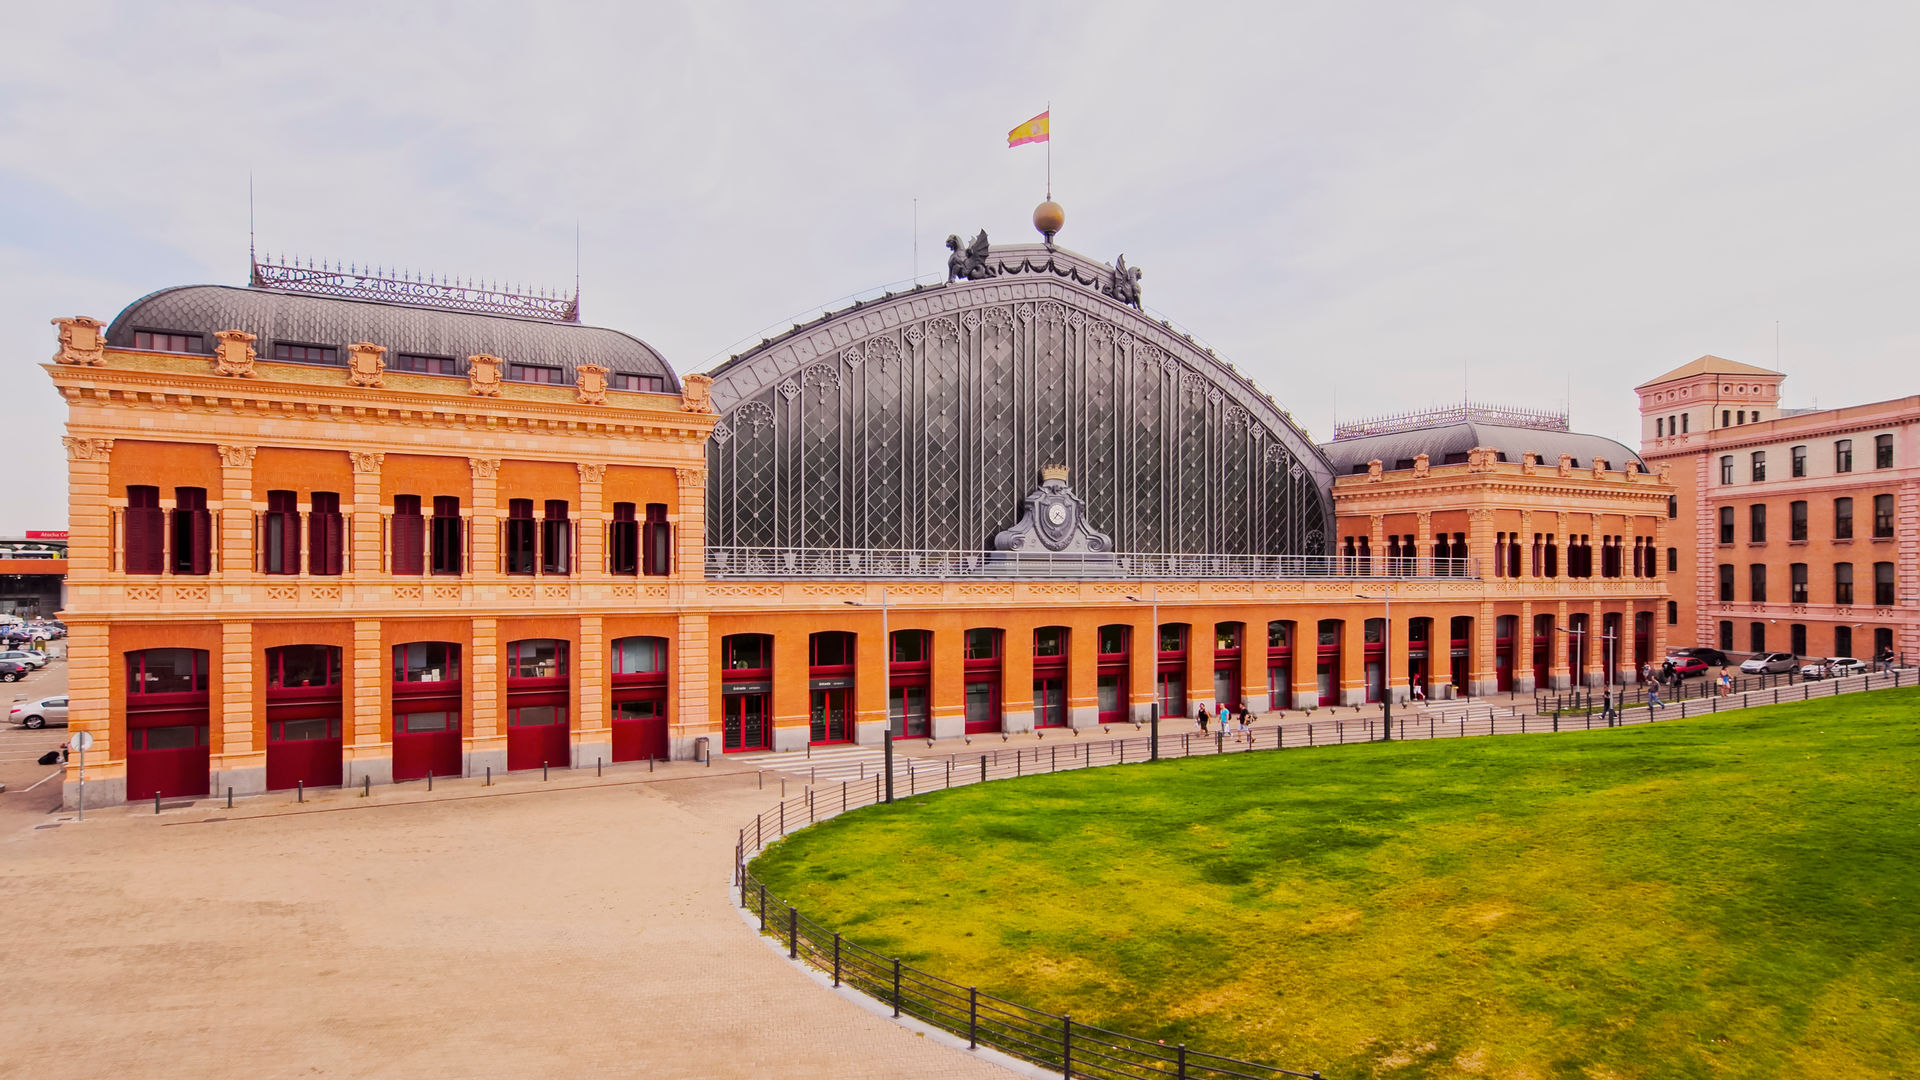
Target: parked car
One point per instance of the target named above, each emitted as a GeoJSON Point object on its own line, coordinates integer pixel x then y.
{"type": "Point", "coordinates": [46, 712]}
{"type": "Point", "coordinates": [34, 660]}
{"type": "Point", "coordinates": [1710, 657]}
{"type": "Point", "coordinates": [12, 670]}
{"type": "Point", "coordinates": [1687, 667]}
{"type": "Point", "coordinates": [1773, 663]}
{"type": "Point", "coordinates": [1834, 667]}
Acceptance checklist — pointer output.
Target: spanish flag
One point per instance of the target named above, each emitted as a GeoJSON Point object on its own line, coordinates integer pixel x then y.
{"type": "Point", "coordinates": [1034, 130]}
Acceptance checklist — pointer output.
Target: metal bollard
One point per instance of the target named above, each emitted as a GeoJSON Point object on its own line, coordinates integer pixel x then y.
{"type": "Point", "coordinates": [366, 788]}
{"type": "Point", "coordinates": [229, 798]}
{"type": "Point", "coordinates": [156, 804]}
{"type": "Point", "coordinates": [543, 770]}
{"type": "Point", "coordinates": [299, 791]}
{"type": "Point", "coordinates": [429, 779]}
{"type": "Point", "coordinates": [596, 768]}
{"type": "Point", "coordinates": [489, 776]}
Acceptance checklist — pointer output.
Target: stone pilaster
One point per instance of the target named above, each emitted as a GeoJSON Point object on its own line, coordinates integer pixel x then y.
{"type": "Point", "coordinates": [1560, 643]}
{"type": "Point", "coordinates": [1906, 571]}
{"type": "Point", "coordinates": [689, 519]}
{"type": "Point", "coordinates": [1483, 676]}
{"type": "Point", "coordinates": [1083, 679]}
{"type": "Point", "coordinates": [1526, 549]}
{"type": "Point", "coordinates": [368, 730]}
{"type": "Point", "coordinates": [486, 520]}
{"type": "Point", "coordinates": [91, 710]}
{"type": "Point", "coordinates": [1143, 663]}
{"type": "Point", "coordinates": [1378, 531]}
{"type": "Point", "coordinates": [485, 723]}
{"type": "Point", "coordinates": [239, 750]}
{"type": "Point", "coordinates": [365, 555]}
{"type": "Point", "coordinates": [236, 512]}
{"type": "Point", "coordinates": [592, 729]}
{"type": "Point", "coordinates": [693, 690]}
{"type": "Point", "coordinates": [1480, 540]}
{"type": "Point", "coordinates": [1523, 680]}
{"type": "Point", "coordinates": [1423, 537]}
{"type": "Point", "coordinates": [592, 524]}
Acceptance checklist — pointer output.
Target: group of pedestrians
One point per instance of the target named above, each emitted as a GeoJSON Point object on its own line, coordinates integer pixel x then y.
{"type": "Point", "coordinates": [1239, 725]}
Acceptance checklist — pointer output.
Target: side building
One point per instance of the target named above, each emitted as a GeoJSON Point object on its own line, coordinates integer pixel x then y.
{"type": "Point", "coordinates": [1801, 526]}
{"type": "Point", "coordinates": [329, 529]}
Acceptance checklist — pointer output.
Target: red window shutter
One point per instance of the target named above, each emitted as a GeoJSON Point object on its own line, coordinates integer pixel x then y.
{"type": "Point", "coordinates": [200, 525]}
{"type": "Point", "coordinates": [326, 547]}
{"type": "Point", "coordinates": [146, 528]}
{"type": "Point", "coordinates": [408, 535]}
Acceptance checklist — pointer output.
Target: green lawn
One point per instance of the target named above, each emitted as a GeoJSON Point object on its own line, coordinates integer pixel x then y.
{"type": "Point", "coordinates": [1732, 896]}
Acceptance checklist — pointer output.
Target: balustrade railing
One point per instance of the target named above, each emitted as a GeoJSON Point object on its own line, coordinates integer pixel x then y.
{"type": "Point", "coordinates": [764, 563]}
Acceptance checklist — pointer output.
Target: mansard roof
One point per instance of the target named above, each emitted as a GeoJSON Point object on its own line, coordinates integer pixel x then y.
{"type": "Point", "coordinates": [275, 316]}
{"type": "Point", "coordinates": [1709, 365]}
{"type": "Point", "coordinates": [1439, 441]}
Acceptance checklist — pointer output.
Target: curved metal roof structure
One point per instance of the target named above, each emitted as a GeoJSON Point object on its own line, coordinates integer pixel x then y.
{"type": "Point", "coordinates": [274, 316]}
{"type": "Point", "coordinates": [921, 420]}
{"type": "Point", "coordinates": [1514, 443]}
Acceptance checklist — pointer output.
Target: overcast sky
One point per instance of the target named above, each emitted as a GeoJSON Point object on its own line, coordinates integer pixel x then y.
{"type": "Point", "coordinates": [1366, 207]}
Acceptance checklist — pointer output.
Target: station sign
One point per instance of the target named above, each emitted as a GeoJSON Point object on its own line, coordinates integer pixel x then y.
{"type": "Point", "coordinates": [46, 534]}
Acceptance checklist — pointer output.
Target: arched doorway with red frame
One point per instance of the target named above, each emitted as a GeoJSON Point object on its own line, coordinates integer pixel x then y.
{"type": "Point", "coordinates": [910, 684]}
{"type": "Point", "coordinates": [1542, 652]}
{"type": "Point", "coordinates": [1374, 642]}
{"type": "Point", "coordinates": [426, 710]}
{"type": "Point", "coordinates": [168, 717]}
{"type": "Point", "coordinates": [1459, 652]}
{"type": "Point", "coordinates": [1113, 672]}
{"type": "Point", "coordinates": [1280, 634]}
{"type": "Point", "coordinates": [1327, 660]}
{"type": "Point", "coordinates": [639, 717]}
{"type": "Point", "coordinates": [981, 654]}
{"type": "Point", "coordinates": [746, 692]}
{"type": "Point", "coordinates": [830, 677]}
{"type": "Point", "coordinates": [539, 700]}
{"type": "Point", "coordinates": [303, 716]}
{"type": "Point", "coordinates": [1050, 676]}
{"type": "Point", "coordinates": [1229, 639]}
{"type": "Point", "coordinates": [1504, 627]}
{"type": "Point", "coordinates": [1170, 674]}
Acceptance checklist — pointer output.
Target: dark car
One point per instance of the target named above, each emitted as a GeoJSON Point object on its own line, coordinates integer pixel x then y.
{"type": "Point", "coordinates": [1709, 657]}
{"type": "Point", "coordinates": [12, 671]}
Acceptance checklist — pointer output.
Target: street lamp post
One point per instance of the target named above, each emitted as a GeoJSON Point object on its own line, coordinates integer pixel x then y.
{"type": "Point", "coordinates": [1153, 710]}
{"type": "Point", "coordinates": [886, 687]}
{"type": "Point", "coordinates": [1386, 662]}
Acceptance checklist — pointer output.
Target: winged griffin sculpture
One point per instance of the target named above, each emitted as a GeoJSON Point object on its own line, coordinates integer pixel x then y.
{"type": "Point", "coordinates": [969, 263]}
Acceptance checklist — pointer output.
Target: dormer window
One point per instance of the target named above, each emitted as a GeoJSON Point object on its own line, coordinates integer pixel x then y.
{"type": "Point", "coordinates": [535, 373]}
{"type": "Point", "coordinates": [168, 341]}
{"type": "Point", "coordinates": [305, 354]}
{"type": "Point", "coordinates": [424, 364]}
{"type": "Point", "coordinates": [645, 384]}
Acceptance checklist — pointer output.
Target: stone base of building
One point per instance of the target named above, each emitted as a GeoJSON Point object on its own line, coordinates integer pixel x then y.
{"type": "Point", "coordinates": [1083, 717]}
{"type": "Point", "coordinates": [1559, 682]}
{"type": "Point", "coordinates": [1017, 723]}
{"type": "Point", "coordinates": [108, 792]}
{"type": "Point", "coordinates": [797, 737]}
{"type": "Point", "coordinates": [587, 754]}
{"type": "Point", "coordinates": [379, 770]}
{"type": "Point", "coordinates": [1355, 696]}
{"type": "Point", "coordinates": [479, 761]}
{"type": "Point", "coordinates": [1483, 687]}
{"type": "Point", "coordinates": [1523, 684]}
{"type": "Point", "coordinates": [866, 733]}
{"type": "Point", "coordinates": [949, 727]}
{"type": "Point", "coordinates": [251, 781]}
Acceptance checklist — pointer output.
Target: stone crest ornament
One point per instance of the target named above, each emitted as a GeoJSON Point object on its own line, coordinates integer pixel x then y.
{"type": "Point", "coordinates": [1055, 521]}
{"type": "Point", "coordinates": [484, 468]}
{"type": "Point", "coordinates": [592, 472]}
{"type": "Point", "coordinates": [483, 375]}
{"type": "Point", "coordinates": [1124, 285]}
{"type": "Point", "coordinates": [237, 457]}
{"type": "Point", "coordinates": [591, 382]}
{"type": "Point", "coordinates": [696, 394]}
{"type": "Point", "coordinates": [82, 343]}
{"type": "Point", "coordinates": [366, 365]}
{"type": "Point", "coordinates": [969, 262]}
{"type": "Point", "coordinates": [233, 354]}
{"type": "Point", "coordinates": [81, 449]}
{"type": "Point", "coordinates": [367, 461]}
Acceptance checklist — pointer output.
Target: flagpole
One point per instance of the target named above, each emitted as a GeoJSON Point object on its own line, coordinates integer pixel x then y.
{"type": "Point", "coordinates": [1049, 151]}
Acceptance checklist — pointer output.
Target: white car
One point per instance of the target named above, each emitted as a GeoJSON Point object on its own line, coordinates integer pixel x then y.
{"type": "Point", "coordinates": [1772, 663]}
{"type": "Point", "coordinates": [46, 712]}
{"type": "Point", "coordinates": [34, 660]}
{"type": "Point", "coordinates": [1834, 667]}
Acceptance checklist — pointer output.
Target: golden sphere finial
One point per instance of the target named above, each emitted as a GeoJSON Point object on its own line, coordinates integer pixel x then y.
{"type": "Point", "coordinates": [1049, 218]}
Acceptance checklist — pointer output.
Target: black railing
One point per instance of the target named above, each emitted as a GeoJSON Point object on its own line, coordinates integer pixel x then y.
{"type": "Point", "coordinates": [1696, 688]}
{"type": "Point", "coordinates": [1056, 1041]}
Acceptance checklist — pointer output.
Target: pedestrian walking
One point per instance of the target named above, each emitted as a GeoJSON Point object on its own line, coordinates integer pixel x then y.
{"type": "Point", "coordinates": [1246, 725]}
{"type": "Point", "coordinates": [1653, 695]}
{"type": "Point", "coordinates": [1419, 692]}
{"type": "Point", "coordinates": [1726, 683]}
{"type": "Point", "coordinates": [1201, 716]}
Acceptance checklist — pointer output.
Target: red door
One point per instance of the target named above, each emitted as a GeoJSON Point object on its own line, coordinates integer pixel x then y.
{"type": "Point", "coordinates": [169, 757]}
{"type": "Point", "coordinates": [427, 742]}
{"type": "Point", "coordinates": [303, 751]}
{"type": "Point", "coordinates": [640, 728]}
{"type": "Point", "coordinates": [537, 737]}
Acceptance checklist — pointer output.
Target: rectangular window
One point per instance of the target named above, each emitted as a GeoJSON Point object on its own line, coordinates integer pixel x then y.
{"type": "Point", "coordinates": [1799, 584]}
{"type": "Point", "coordinates": [1726, 524]}
{"type": "Point", "coordinates": [327, 535]}
{"type": "Point", "coordinates": [645, 384]}
{"type": "Point", "coordinates": [747, 652]}
{"type": "Point", "coordinates": [1726, 420]}
{"type": "Point", "coordinates": [1882, 517]}
{"type": "Point", "coordinates": [424, 364]}
{"type": "Point", "coordinates": [1799, 461]}
{"type": "Point", "coordinates": [1113, 640]}
{"type": "Point", "coordinates": [639, 655]}
{"type": "Point", "coordinates": [1673, 560]}
{"type": "Point", "coordinates": [1843, 583]}
{"type": "Point", "coordinates": [1726, 582]}
{"type": "Point", "coordinates": [623, 540]}
{"type": "Point", "coordinates": [1049, 641]}
{"type": "Point", "coordinates": [407, 536]}
{"type": "Point", "coordinates": [1757, 637]}
{"type": "Point", "coordinates": [1797, 639]}
{"type": "Point", "coordinates": [1843, 641]}
{"type": "Point", "coordinates": [1883, 451]}
{"type": "Point", "coordinates": [280, 534]}
{"type": "Point", "coordinates": [166, 341]}
{"type": "Point", "coordinates": [1673, 506]}
{"type": "Point", "coordinates": [192, 533]}
{"type": "Point", "coordinates": [1883, 584]}
{"type": "Point", "coordinates": [983, 644]}
{"type": "Point", "coordinates": [1759, 465]}
{"type": "Point", "coordinates": [656, 541]}
{"type": "Point", "coordinates": [1843, 519]}
{"type": "Point", "coordinates": [1757, 523]}
{"type": "Point", "coordinates": [1659, 427]}
{"type": "Point", "coordinates": [305, 354]}
{"type": "Point", "coordinates": [1757, 583]}
{"type": "Point", "coordinates": [556, 539]}
{"type": "Point", "coordinates": [1726, 468]}
{"type": "Point", "coordinates": [426, 662]}
{"type": "Point", "coordinates": [1685, 423]}
{"type": "Point", "coordinates": [1726, 634]}
{"type": "Point", "coordinates": [448, 548]}
{"type": "Point", "coordinates": [910, 646]}
{"type": "Point", "coordinates": [1673, 613]}
{"type": "Point", "coordinates": [1797, 521]}
{"type": "Point", "coordinates": [144, 531]}
{"type": "Point", "coordinates": [1173, 638]}
{"type": "Point", "coordinates": [537, 658]}
{"type": "Point", "coordinates": [1843, 455]}
{"type": "Point", "coordinates": [522, 535]}
{"type": "Point", "coordinates": [535, 373]}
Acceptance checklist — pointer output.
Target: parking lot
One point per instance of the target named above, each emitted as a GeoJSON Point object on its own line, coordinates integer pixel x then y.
{"type": "Point", "coordinates": [30, 788]}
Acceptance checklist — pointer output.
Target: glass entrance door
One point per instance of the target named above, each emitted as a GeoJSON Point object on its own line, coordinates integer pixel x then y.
{"type": "Point", "coordinates": [908, 709]}
{"type": "Point", "coordinates": [744, 722]}
{"type": "Point", "coordinates": [830, 722]}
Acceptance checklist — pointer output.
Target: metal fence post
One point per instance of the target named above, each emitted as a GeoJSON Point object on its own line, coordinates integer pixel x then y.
{"type": "Point", "coordinates": [836, 958]}
{"type": "Point", "coordinates": [973, 1017]}
{"type": "Point", "coordinates": [1066, 1047]}
{"type": "Point", "coordinates": [793, 932]}
{"type": "Point", "coordinates": [983, 768]}
{"type": "Point", "coordinates": [763, 907]}
{"type": "Point", "coordinates": [783, 818]}
{"type": "Point", "coordinates": [896, 986]}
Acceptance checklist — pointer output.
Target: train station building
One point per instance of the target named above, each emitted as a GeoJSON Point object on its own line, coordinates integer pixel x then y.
{"type": "Point", "coordinates": [328, 527]}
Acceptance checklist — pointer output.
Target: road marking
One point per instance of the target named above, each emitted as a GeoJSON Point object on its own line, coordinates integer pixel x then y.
{"type": "Point", "coordinates": [44, 779]}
